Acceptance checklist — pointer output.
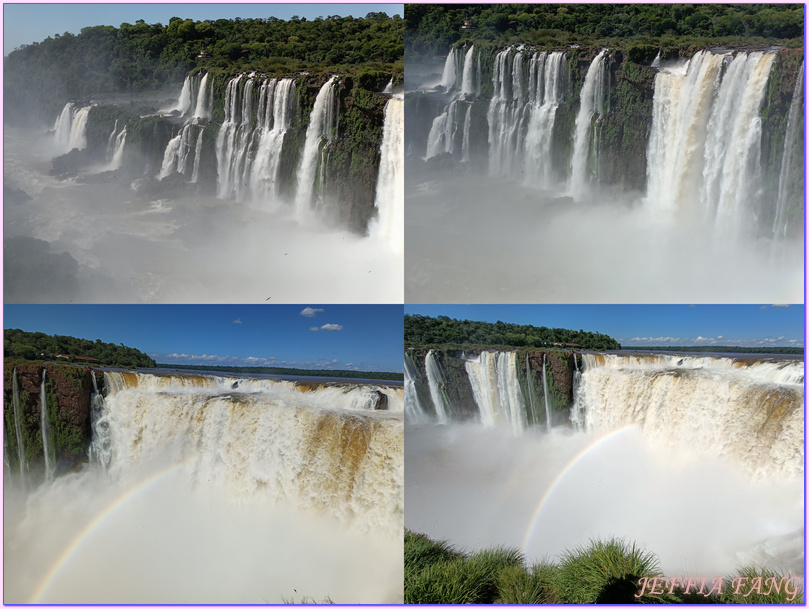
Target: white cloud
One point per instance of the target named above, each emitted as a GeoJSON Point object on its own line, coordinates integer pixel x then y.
{"type": "Point", "coordinates": [331, 327]}
{"type": "Point", "coordinates": [237, 321]}
{"type": "Point", "coordinates": [314, 328]}
{"type": "Point", "coordinates": [310, 312]}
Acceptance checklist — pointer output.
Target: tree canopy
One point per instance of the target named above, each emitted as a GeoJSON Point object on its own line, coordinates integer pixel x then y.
{"type": "Point", "coordinates": [421, 331]}
{"type": "Point", "coordinates": [431, 29]}
{"type": "Point", "coordinates": [18, 344]}
{"type": "Point", "coordinates": [141, 56]}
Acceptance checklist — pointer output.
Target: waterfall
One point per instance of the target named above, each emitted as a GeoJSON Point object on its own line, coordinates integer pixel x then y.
{"type": "Point", "coordinates": [389, 200]}
{"type": "Point", "coordinates": [437, 384]}
{"type": "Point", "coordinates": [450, 74]}
{"type": "Point", "coordinates": [591, 103]}
{"type": "Point", "coordinates": [442, 137]}
{"type": "Point", "coordinates": [183, 105]}
{"type": "Point", "coordinates": [175, 158]}
{"type": "Point", "coordinates": [111, 141]}
{"type": "Point", "coordinates": [202, 109]}
{"type": "Point", "coordinates": [321, 124]}
{"type": "Point", "coordinates": [522, 117]}
{"type": "Point", "coordinates": [749, 411]}
{"type": "Point", "coordinates": [70, 128]}
{"type": "Point", "coordinates": [234, 137]}
{"type": "Point", "coordinates": [467, 124]}
{"type": "Point", "coordinates": [321, 446]}
{"type": "Point", "coordinates": [99, 450]}
{"type": "Point", "coordinates": [18, 426]}
{"type": "Point", "coordinates": [780, 223]}
{"type": "Point", "coordinates": [197, 157]}
{"type": "Point", "coordinates": [414, 411]}
{"type": "Point", "coordinates": [548, 419]}
{"type": "Point", "coordinates": [388, 90]}
{"type": "Point", "coordinates": [705, 142]}
{"type": "Point", "coordinates": [45, 428]}
{"type": "Point", "coordinates": [118, 150]}
{"type": "Point", "coordinates": [468, 84]}
{"type": "Point", "coordinates": [496, 389]}
{"type": "Point", "coordinates": [577, 411]}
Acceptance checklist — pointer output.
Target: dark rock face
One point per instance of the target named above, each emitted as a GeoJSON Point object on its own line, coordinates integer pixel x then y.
{"type": "Point", "coordinates": [68, 391]}
{"type": "Point", "coordinates": [381, 401]}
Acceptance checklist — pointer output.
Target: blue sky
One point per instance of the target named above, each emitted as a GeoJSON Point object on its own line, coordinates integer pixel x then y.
{"type": "Point", "coordinates": [332, 337]}
{"type": "Point", "coordinates": [657, 325]}
{"type": "Point", "coordinates": [27, 23]}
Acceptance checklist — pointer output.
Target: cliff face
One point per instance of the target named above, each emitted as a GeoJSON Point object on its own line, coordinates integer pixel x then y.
{"type": "Point", "coordinates": [68, 390]}
{"type": "Point", "coordinates": [461, 405]}
{"type": "Point", "coordinates": [350, 156]}
{"type": "Point", "coordinates": [621, 135]}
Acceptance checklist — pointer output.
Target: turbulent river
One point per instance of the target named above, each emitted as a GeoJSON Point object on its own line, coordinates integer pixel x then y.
{"type": "Point", "coordinates": [219, 489]}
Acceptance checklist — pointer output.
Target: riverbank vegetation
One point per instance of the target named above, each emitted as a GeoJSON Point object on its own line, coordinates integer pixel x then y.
{"type": "Point", "coordinates": [141, 56]}
{"type": "Point", "coordinates": [36, 346]}
{"type": "Point", "coordinates": [420, 331]}
{"type": "Point", "coordinates": [610, 571]}
{"type": "Point", "coordinates": [430, 29]}
{"type": "Point", "coordinates": [348, 374]}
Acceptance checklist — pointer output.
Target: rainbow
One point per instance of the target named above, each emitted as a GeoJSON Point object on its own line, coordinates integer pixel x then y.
{"type": "Point", "coordinates": [87, 531]}
{"type": "Point", "coordinates": [534, 521]}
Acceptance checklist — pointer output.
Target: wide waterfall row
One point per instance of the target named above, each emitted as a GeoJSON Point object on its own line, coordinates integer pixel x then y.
{"type": "Point", "coordinates": [497, 390]}
{"type": "Point", "coordinates": [316, 446]}
{"type": "Point", "coordinates": [704, 153]}
{"type": "Point", "coordinates": [250, 141]}
{"type": "Point", "coordinates": [70, 129]}
{"type": "Point", "coordinates": [494, 388]}
{"type": "Point", "coordinates": [528, 88]}
{"type": "Point", "coordinates": [750, 412]}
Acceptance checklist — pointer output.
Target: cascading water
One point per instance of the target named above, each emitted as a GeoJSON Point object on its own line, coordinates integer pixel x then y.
{"type": "Point", "coordinates": [183, 105]}
{"type": "Point", "coordinates": [178, 151]}
{"type": "Point", "coordinates": [390, 181]}
{"type": "Point", "coordinates": [705, 142]}
{"type": "Point", "coordinates": [18, 426]}
{"type": "Point", "coordinates": [277, 107]}
{"type": "Point", "coordinates": [202, 109]}
{"type": "Point", "coordinates": [497, 392]}
{"type": "Point", "coordinates": [250, 488]}
{"type": "Point", "coordinates": [445, 127]}
{"type": "Point", "coordinates": [70, 129]}
{"type": "Point", "coordinates": [780, 224]}
{"type": "Point", "coordinates": [99, 450]}
{"type": "Point", "coordinates": [521, 118]}
{"type": "Point", "coordinates": [321, 125]}
{"type": "Point", "coordinates": [750, 412]}
{"type": "Point", "coordinates": [414, 411]}
{"type": "Point", "coordinates": [710, 446]}
{"type": "Point", "coordinates": [548, 420]}
{"type": "Point", "coordinates": [592, 102]}
{"type": "Point", "coordinates": [435, 379]}
{"type": "Point", "coordinates": [45, 430]}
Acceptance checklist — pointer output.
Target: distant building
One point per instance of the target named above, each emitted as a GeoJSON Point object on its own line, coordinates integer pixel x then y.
{"type": "Point", "coordinates": [467, 26]}
{"type": "Point", "coordinates": [203, 54]}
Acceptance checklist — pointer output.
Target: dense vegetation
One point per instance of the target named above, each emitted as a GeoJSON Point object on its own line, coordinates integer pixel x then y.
{"type": "Point", "coordinates": [431, 29]}
{"type": "Point", "coordinates": [420, 331]}
{"type": "Point", "coordinates": [605, 572]}
{"type": "Point", "coordinates": [38, 346]}
{"type": "Point", "coordinates": [142, 56]}
{"type": "Point", "coordinates": [350, 374]}
{"type": "Point", "coordinates": [723, 349]}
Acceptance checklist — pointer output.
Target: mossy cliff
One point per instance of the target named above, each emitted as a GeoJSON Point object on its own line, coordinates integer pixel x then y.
{"type": "Point", "coordinates": [457, 389]}
{"type": "Point", "coordinates": [68, 391]}
{"type": "Point", "coordinates": [619, 138]}
{"type": "Point", "coordinates": [351, 152]}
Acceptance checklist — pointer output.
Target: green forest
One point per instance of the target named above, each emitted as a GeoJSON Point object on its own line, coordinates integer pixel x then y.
{"type": "Point", "coordinates": [19, 345]}
{"type": "Point", "coordinates": [349, 374]}
{"type": "Point", "coordinates": [421, 331]}
{"type": "Point", "coordinates": [431, 29]}
{"type": "Point", "coordinates": [141, 56]}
